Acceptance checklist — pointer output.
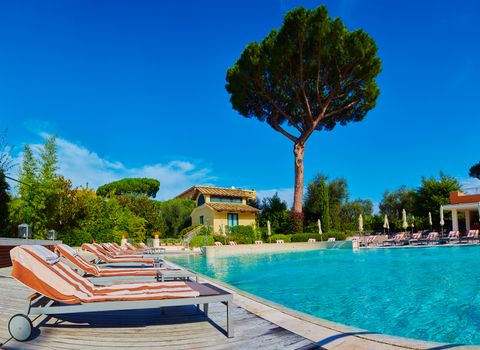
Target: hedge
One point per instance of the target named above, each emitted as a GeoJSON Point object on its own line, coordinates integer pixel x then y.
{"type": "Point", "coordinates": [200, 240]}
{"type": "Point", "coordinates": [286, 238]}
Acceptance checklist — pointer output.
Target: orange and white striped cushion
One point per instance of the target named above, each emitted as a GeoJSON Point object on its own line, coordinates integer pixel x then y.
{"type": "Point", "coordinates": [59, 282]}
{"type": "Point", "coordinates": [92, 269]}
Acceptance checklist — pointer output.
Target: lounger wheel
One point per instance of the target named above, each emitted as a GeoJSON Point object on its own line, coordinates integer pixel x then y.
{"type": "Point", "coordinates": [20, 327]}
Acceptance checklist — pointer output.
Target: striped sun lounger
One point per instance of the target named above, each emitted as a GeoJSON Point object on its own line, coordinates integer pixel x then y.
{"type": "Point", "coordinates": [59, 290]}
{"type": "Point", "coordinates": [110, 260]}
{"type": "Point", "coordinates": [472, 235]}
{"type": "Point", "coordinates": [105, 251]}
{"type": "Point", "coordinates": [118, 251]}
{"type": "Point", "coordinates": [415, 238]}
{"type": "Point", "coordinates": [89, 268]}
{"type": "Point", "coordinates": [453, 236]}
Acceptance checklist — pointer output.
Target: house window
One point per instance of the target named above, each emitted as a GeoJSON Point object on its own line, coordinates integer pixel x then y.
{"type": "Point", "coordinates": [201, 220]}
{"type": "Point", "coordinates": [201, 200]}
{"type": "Point", "coordinates": [226, 200]}
{"type": "Point", "coordinates": [232, 219]}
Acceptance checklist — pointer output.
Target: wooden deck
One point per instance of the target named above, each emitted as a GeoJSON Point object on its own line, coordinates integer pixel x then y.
{"type": "Point", "coordinates": [177, 328]}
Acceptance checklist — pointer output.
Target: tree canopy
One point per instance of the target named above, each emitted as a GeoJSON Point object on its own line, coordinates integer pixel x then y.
{"type": "Point", "coordinates": [134, 186]}
{"type": "Point", "coordinates": [475, 171]}
{"type": "Point", "coordinates": [311, 74]}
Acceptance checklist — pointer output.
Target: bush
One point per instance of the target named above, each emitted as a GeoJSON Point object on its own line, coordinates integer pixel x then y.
{"type": "Point", "coordinates": [75, 237]}
{"type": "Point", "coordinates": [286, 238]}
{"type": "Point", "coordinates": [200, 240]}
{"type": "Point", "coordinates": [242, 234]}
{"type": "Point", "coordinates": [304, 237]}
{"type": "Point", "coordinates": [339, 236]}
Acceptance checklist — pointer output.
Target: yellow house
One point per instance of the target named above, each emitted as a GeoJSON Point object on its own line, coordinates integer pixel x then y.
{"type": "Point", "coordinates": [217, 206]}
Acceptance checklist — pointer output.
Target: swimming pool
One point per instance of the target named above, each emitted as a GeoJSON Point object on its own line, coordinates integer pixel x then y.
{"type": "Point", "coordinates": [425, 293]}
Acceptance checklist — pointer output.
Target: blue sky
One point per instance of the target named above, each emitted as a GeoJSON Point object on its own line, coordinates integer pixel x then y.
{"type": "Point", "coordinates": [136, 88]}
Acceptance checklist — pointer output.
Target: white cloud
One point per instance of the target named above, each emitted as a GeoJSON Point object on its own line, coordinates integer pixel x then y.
{"type": "Point", "coordinates": [83, 166]}
{"type": "Point", "coordinates": [285, 194]}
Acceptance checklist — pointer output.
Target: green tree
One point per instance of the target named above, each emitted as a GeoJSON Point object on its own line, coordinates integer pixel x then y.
{"type": "Point", "coordinates": [351, 211]}
{"type": "Point", "coordinates": [310, 75]}
{"type": "Point", "coordinates": [475, 171]}
{"type": "Point", "coordinates": [394, 202]}
{"type": "Point", "coordinates": [434, 193]}
{"type": "Point", "coordinates": [275, 210]}
{"type": "Point", "coordinates": [133, 186]}
{"type": "Point", "coordinates": [176, 213]}
{"type": "Point", "coordinates": [337, 196]}
{"type": "Point", "coordinates": [317, 202]}
{"type": "Point", "coordinates": [146, 208]}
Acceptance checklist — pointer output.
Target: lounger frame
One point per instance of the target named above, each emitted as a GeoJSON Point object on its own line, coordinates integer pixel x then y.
{"type": "Point", "coordinates": [38, 304]}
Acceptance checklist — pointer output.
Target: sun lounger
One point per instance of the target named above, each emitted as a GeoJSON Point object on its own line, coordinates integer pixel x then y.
{"type": "Point", "coordinates": [432, 238]}
{"type": "Point", "coordinates": [115, 255]}
{"type": "Point", "coordinates": [116, 250]}
{"type": "Point", "coordinates": [471, 236]}
{"type": "Point", "coordinates": [280, 241]}
{"type": "Point", "coordinates": [218, 244]}
{"type": "Point", "coordinates": [107, 259]}
{"type": "Point", "coordinates": [91, 269]}
{"type": "Point", "coordinates": [453, 236]}
{"type": "Point", "coordinates": [232, 243]}
{"type": "Point", "coordinates": [59, 290]}
{"type": "Point", "coordinates": [371, 240]}
{"type": "Point", "coordinates": [415, 238]}
{"type": "Point", "coordinates": [145, 249]}
{"type": "Point", "coordinates": [312, 240]}
{"type": "Point", "coordinates": [331, 239]}
{"type": "Point", "coordinates": [258, 242]}
{"type": "Point", "coordinates": [398, 239]}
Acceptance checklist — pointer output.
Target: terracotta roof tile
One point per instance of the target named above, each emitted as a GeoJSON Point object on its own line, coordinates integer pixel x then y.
{"type": "Point", "coordinates": [242, 208]}
{"type": "Point", "coordinates": [193, 192]}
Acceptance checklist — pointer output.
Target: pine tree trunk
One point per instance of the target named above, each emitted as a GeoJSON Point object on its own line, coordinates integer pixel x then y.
{"type": "Point", "coordinates": [298, 151]}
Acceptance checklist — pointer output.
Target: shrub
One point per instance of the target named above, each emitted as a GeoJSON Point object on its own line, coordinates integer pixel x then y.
{"type": "Point", "coordinates": [286, 238]}
{"type": "Point", "coordinates": [304, 237]}
{"type": "Point", "coordinates": [201, 240]}
{"type": "Point", "coordinates": [339, 236]}
{"type": "Point", "coordinates": [75, 237]}
{"type": "Point", "coordinates": [242, 234]}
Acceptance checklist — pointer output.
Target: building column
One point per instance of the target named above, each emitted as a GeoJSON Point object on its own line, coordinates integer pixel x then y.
{"type": "Point", "coordinates": [467, 220]}
{"type": "Point", "coordinates": [454, 220]}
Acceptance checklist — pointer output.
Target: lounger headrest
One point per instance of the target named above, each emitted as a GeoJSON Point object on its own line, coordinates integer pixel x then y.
{"type": "Point", "coordinates": [68, 249]}
{"type": "Point", "coordinates": [47, 255]}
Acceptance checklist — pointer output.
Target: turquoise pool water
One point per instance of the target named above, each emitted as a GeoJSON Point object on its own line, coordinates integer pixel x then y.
{"type": "Point", "coordinates": [425, 293]}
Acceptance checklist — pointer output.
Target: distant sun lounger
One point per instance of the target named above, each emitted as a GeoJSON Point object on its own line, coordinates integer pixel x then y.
{"type": "Point", "coordinates": [399, 238]}
{"type": "Point", "coordinates": [453, 236]}
{"type": "Point", "coordinates": [280, 241]}
{"type": "Point", "coordinates": [218, 244]}
{"type": "Point", "coordinates": [89, 268]}
{"type": "Point", "coordinates": [415, 238]}
{"type": "Point", "coordinates": [59, 290]}
{"type": "Point", "coordinates": [312, 240]}
{"type": "Point", "coordinates": [432, 238]}
{"type": "Point", "coordinates": [331, 239]}
{"type": "Point", "coordinates": [371, 240]}
{"type": "Point", "coordinates": [472, 235]}
{"type": "Point", "coordinates": [111, 260]}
